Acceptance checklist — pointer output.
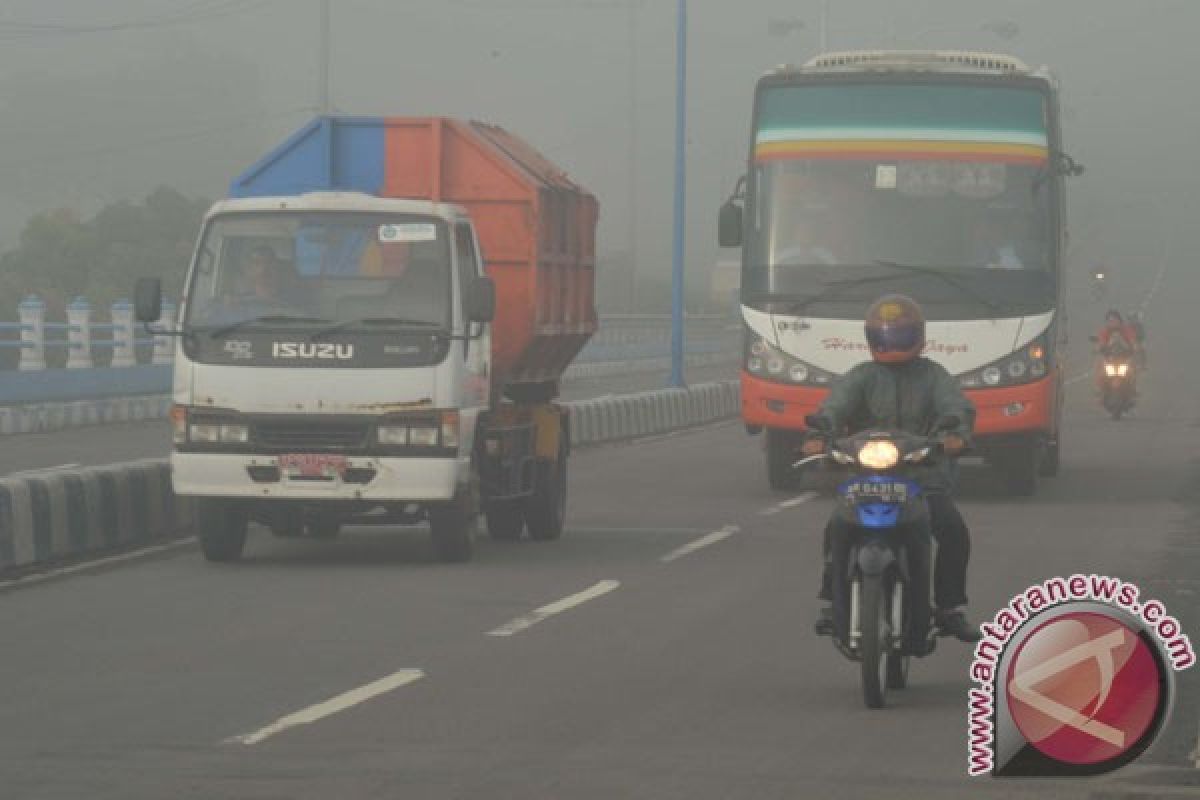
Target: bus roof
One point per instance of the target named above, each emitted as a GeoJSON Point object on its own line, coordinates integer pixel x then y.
{"type": "Point", "coordinates": [962, 62]}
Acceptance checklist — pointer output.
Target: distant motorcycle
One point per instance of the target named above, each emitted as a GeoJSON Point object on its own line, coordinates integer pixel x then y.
{"type": "Point", "coordinates": [1099, 285]}
{"type": "Point", "coordinates": [881, 620]}
{"type": "Point", "coordinates": [1118, 386]}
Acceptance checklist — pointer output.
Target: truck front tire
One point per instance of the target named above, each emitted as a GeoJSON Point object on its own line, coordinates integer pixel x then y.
{"type": "Point", "coordinates": [221, 528]}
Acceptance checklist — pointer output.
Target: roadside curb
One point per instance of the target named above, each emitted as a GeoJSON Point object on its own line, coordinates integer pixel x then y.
{"type": "Point", "coordinates": [47, 417]}
{"type": "Point", "coordinates": [56, 515]}
{"type": "Point", "coordinates": [607, 419]}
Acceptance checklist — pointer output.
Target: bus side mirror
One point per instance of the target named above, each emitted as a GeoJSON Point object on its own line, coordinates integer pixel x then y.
{"type": "Point", "coordinates": [147, 300]}
{"type": "Point", "coordinates": [729, 225]}
{"type": "Point", "coordinates": [481, 300]}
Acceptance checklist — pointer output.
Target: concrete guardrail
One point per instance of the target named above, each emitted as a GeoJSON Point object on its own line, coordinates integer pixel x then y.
{"type": "Point", "coordinates": [60, 515]}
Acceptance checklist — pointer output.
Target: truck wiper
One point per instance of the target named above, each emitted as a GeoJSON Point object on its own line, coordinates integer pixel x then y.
{"type": "Point", "coordinates": [217, 333]}
{"type": "Point", "coordinates": [369, 321]}
{"type": "Point", "coordinates": [947, 278]}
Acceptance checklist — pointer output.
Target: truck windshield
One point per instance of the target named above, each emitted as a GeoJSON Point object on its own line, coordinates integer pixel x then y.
{"type": "Point", "coordinates": [932, 175]}
{"type": "Point", "coordinates": [313, 270]}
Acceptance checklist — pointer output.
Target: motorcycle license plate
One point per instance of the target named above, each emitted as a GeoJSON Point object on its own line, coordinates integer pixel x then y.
{"type": "Point", "coordinates": [310, 465]}
{"type": "Point", "coordinates": [878, 492]}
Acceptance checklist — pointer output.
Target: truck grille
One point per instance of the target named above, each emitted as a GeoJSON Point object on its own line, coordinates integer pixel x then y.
{"type": "Point", "coordinates": [308, 436]}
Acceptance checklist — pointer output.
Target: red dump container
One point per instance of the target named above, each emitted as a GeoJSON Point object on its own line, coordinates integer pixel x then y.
{"type": "Point", "coordinates": [537, 230]}
{"type": "Point", "coordinates": [536, 227]}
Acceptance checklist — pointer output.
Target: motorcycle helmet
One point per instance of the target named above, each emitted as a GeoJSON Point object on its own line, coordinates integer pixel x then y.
{"type": "Point", "coordinates": [1114, 314]}
{"type": "Point", "coordinates": [895, 329]}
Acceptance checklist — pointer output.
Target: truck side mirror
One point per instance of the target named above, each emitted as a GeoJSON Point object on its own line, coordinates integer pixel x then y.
{"type": "Point", "coordinates": [481, 300]}
{"type": "Point", "coordinates": [147, 300]}
{"type": "Point", "coordinates": [729, 224]}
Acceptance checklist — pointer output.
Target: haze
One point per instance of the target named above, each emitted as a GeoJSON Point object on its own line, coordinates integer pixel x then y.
{"type": "Point", "coordinates": [105, 101]}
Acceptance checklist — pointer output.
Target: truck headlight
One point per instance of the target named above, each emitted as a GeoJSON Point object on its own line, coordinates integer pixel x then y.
{"type": "Point", "coordinates": [235, 434]}
{"type": "Point", "coordinates": [423, 435]}
{"type": "Point", "coordinates": [396, 435]}
{"type": "Point", "coordinates": [450, 429]}
{"type": "Point", "coordinates": [204, 433]}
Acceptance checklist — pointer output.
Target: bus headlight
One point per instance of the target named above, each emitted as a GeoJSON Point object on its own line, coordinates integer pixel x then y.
{"type": "Point", "coordinates": [765, 360]}
{"type": "Point", "coordinates": [1027, 364]}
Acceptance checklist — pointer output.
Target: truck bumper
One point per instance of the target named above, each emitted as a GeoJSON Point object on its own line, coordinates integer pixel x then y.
{"type": "Point", "coordinates": [410, 480]}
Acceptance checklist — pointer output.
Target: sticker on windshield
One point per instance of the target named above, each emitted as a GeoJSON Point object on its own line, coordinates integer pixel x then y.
{"type": "Point", "coordinates": [408, 232]}
{"type": "Point", "coordinates": [885, 176]}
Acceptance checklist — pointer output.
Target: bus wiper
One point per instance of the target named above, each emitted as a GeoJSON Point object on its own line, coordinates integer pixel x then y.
{"type": "Point", "coordinates": [831, 289]}
{"type": "Point", "coordinates": [400, 321]}
{"type": "Point", "coordinates": [217, 333]}
{"type": "Point", "coordinates": [947, 278]}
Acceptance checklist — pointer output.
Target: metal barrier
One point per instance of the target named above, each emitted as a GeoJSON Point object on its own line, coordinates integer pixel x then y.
{"type": "Point", "coordinates": [78, 335]}
{"type": "Point", "coordinates": [625, 342]}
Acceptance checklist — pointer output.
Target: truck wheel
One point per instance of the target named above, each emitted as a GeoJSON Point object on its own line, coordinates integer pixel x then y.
{"type": "Point", "coordinates": [221, 528]}
{"type": "Point", "coordinates": [450, 528]}
{"type": "Point", "coordinates": [781, 455]}
{"type": "Point", "coordinates": [505, 520]}
{"type": "Point", "coordinates": [546, 508]}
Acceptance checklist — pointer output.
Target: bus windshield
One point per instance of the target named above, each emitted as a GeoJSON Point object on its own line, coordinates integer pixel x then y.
{"type": "Point", "coordinates": [944, 176]}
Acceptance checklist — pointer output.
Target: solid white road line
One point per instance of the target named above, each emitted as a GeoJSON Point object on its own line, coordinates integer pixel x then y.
{"type": "Point", "coordinates": [331, 706]}
{"type": "Point", "coordinates": [557, 607]}
{"type": "Point", "coordinates": [702, 542]}
{"type": "Point", "coordinates": [786, 504]}
{"type": "Point", "coordinates": [38, 577]}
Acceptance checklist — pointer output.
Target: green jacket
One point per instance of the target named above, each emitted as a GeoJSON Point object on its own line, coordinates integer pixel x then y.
{"type": "Point", "coordinates": [910, 397]}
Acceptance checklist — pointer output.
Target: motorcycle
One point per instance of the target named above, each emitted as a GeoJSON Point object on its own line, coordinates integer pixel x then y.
{"type": "Point", "coordinates": [1099, 285]}
{"type": "Point", "coordinates": [1118, 388]}
{"type": "Point", "coordinates": [882, 618]}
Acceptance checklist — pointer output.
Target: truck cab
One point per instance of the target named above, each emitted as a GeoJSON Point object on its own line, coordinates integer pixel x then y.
{"type": "Point", "coordinates": [342, 355]}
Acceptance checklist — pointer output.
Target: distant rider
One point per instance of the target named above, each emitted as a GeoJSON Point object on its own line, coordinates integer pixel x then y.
{"type": "Point", "coordinates": [1116, 338]}
{"type": "Point", "coordinates": [902, 390]}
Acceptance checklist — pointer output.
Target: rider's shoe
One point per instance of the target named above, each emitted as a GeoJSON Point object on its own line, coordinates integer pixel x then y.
{"type": "Point", "coordinates": [824, 623]}
{"type": "Point", "coordinates": [953, 622]}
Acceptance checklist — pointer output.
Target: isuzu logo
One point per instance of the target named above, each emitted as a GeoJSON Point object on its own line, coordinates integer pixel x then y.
{"type": "Point", "coordinates": [328, 351]}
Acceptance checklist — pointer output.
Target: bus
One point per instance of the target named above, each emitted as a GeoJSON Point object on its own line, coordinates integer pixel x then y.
{"type": "Point", "coordinates": [935, 174]}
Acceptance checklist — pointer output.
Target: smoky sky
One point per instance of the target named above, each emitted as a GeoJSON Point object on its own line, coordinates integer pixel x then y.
{"type": "Point", "coordinates": [103, 101]}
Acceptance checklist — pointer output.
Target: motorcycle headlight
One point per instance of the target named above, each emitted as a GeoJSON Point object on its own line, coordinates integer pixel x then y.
{"type": "Point", "coordinates": [880, 454]}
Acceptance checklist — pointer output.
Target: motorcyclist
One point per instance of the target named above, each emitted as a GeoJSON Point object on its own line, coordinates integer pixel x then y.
{"type": "Point", "coordinates": [1115, 338]}
{"type": "Point", "coordinates": [901, 389]}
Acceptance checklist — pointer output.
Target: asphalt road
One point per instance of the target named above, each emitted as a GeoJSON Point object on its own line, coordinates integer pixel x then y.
{"type": "Point", "coordinates": [105, 444]}
{"type": "Point", "coordinates": [662, 673]}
